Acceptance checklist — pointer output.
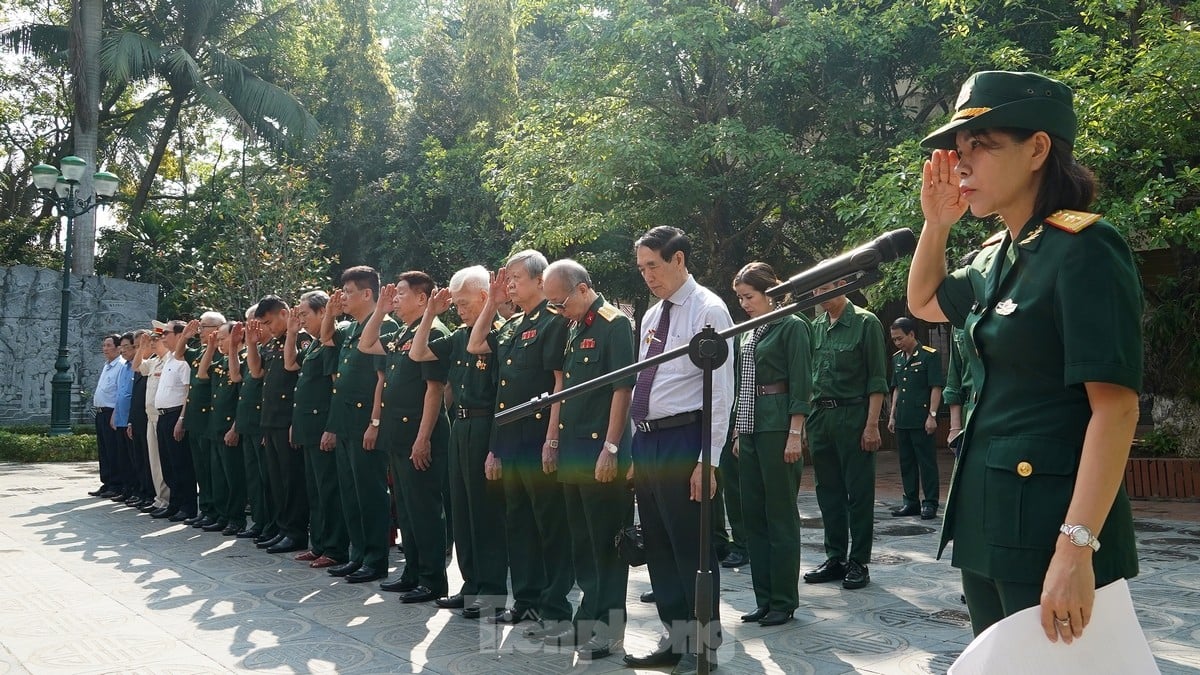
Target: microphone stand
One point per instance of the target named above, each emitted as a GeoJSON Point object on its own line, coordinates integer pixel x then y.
{"type": "Point", "coordinates": [708, 350]}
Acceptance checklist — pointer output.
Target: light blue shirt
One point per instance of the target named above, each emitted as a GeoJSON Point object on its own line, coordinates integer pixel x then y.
{"type": "Point", "coordinates": [106, 388]}
{"type": "Point", "coordinates": [124, 395]}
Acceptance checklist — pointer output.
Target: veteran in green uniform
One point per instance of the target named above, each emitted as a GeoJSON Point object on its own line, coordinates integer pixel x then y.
{"type": "Point", "coordinates": [415, 431]}
{"type": "Point", "coordinates": [285, 463]}
{"type": "Point", "coordinates": [210, 492]}
{"type": "Point", "coordinates": [228, 465]}
{"type": "Point", "coordinates": [595, 437]}
{"type": "Point", "coordinates": [247, 430]}
{"type": "Point", "coordinates": [529, 350]}
{"type": "Point", "coordinates": [849, 382]}
{"type": "Point", "coordinates": [328, 539]}
{"type": "Point", "coordinates": [773, 380]}
{"type": "Point", "coordinates": [1037, 511]}
{"type": "Point", "coordinates": [353, 427]}
{"type": "Point", "coordinates": [477, 503]}
{"type": "Point", "coordinates": [916, 396]}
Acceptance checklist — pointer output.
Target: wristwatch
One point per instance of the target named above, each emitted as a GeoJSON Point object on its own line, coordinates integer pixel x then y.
{"type": "Point", "coordinates": [610, 447]}
{"type": "Point", "coordinates": [1080, 535]}
{"type": "Point", "coordinates": [933, 414]}
{"type": "Point", "coordinates": [375, 421]}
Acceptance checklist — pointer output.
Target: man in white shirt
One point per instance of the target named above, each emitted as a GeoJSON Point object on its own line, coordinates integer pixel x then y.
{"type": "Point", "coordinates": [174, 454]}
{"type": "Point", "coordinates": [152, 353]}
{"type": "Point", "coordinates": [112, 483]}
{"type": "Point", "coordinates": [666, 411]}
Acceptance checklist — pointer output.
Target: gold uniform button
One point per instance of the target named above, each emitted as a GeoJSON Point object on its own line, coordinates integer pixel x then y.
{"type": "Point", "coordinates": [502, 406]}
{"type": "Point", "coordinates": [315, 412]}
{"type": "Point", "coordinates": [284, 396]}
{"type": "Point", "coordinates": [360, 405]}
{"type": "Point", "coordinates": [1024, 469]}
{"type": "Point", "coordinates": [568, 376]}
{"type": "Point", "coordinates": [404, 419]}
{"type": "Point", "coordinates": [585, 359]}
{"type": "Point", "coordinates": [508, 362]}
{"type": "Point", "coordinates": [503, 383]}
{"type": "Point", "coordinates": [537, 416]}
{"type": "Point", "coordinates": [595, 435]}
{"type": "Point", "coordinates": [335, 390]}
{"type": "Point", "coordinates": [228, 418]}
{"type": "Point", "coordinates": [560, 425]}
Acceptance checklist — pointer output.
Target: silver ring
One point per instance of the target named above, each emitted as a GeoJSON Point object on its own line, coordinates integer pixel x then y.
{"type": "Point", "coordinates": [1065, 622]}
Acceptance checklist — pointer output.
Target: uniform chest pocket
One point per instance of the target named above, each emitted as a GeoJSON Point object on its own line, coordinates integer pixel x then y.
{"type": "Point", "coordinates": [527, 352]}
{"type": "Point", "coordinates": [1027, 489]}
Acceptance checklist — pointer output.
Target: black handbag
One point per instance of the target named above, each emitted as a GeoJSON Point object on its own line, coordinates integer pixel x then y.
{"type": "Point", "coordinates": [630, 546]}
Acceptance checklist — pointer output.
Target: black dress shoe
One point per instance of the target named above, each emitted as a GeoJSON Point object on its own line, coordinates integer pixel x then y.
{"type": "Point", "coordinates": [928, 512]}
{"type": "Point", "coordinates": [344, 569]}
{"type": "Point", "coordinates": [192, 520]}
{"type": "Point", "coordinates": [270, 542]}
{"type": "Point", "coordinates": [514, 616]}
{"type": "Point", "coordinates": [857, 575]}
{"type": "Point", "coordinates": [735, 559]}
{"type": "Point", "coordinates": [909, 510]}
{"type": "Point", "coordinates": [775, 618]}
{"type": "Point", "coordinates": [287, 545]}
{"type": "Point", "coordinates": [755, 615]}
{"type": "Point", "coordinates": [647, 597]}
{"type": "Point", "coordinates": [249, 534]}
{"type": "Point", "coordinates": [120, 497]}
{"type": "Point", "coordinates": [418, 594]}
{"type": "Point", "coordinates": [133, 501]}
{"type": "Point", "coordinates": [365, 574]}
{"type": "Point", "coordinates": [230, 531]}
{"type": "Point", "coordinates": [98, 491]}
{"type": "Point", "coordinates": [832, 569]}
{"type": "Point", "coordinates": [265, 537]}
{"type": "Point", "coordinates": [148, 508]}
{"type": "Point", "coordinates": [450, 601]}
{"type": "Point", "coordinates": [204, 522]}
{"type": "Point", "coordinates": [400, 585]}
{"type": "Point", "coordinates": [107, 493]}
{"type": "Point", "coordinates": [663, 656]}
{"type": "Point", "coordinates": [179, 517]}
{"type": "Point", "coordinates": [215, 526]}
{"type": "Point", "coordinates": [144, 502]}
{"type": "Point", "coordinates": [479, 609]}
{"type": "Point", "coordinates": [164, 512]}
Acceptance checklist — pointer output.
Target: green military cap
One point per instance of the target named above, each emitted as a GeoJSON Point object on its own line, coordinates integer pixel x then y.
{"type": "Point", "coordinates": [997, 98]}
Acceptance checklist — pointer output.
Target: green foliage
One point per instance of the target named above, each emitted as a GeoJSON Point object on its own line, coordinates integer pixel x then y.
{"type": "Point", "coordinates": [32, 448]}
{"type": "Point", "coordinates": [1158, 443]}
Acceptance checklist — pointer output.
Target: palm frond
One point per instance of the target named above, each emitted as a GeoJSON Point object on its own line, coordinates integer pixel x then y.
{"type": "Point", "coordinates": [265, 106]}
{"type": "Point", "coordinates": [126, 56]}
{"type": "Point", "coordinates": [179, 68]}
{"type": "Point", "coordinates": [215, 101]}
{"type": "Point", "coordinates": [40, 39]}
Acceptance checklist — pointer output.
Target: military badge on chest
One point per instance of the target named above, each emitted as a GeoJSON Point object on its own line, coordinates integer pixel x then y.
{"type": "Point", "coordinates": [1006, 307]}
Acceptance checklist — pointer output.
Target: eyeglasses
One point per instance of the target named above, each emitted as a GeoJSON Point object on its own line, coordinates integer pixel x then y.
{"type": "Point", "coordinates": [557, 306]}
{"type": "Point", "coordinates": [210, 325]}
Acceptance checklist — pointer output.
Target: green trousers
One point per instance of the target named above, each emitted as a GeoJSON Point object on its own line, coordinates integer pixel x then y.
{"type": "Point", "coordinates": [256, 485]}
{"type": "Point", "coordinates": [202, 462]}
{"type": "Point", "coordinates": [989, 600]}
{"type": "Point", "coordinates": [229, 470]}
{"type": "Point", "coordinates": [728, 504]}
{"type": "Point", "coordinates": [326, 526]}
{"type": "Point", "coordinates": [362, 482]}
{"type": "Point", "coordinates": [477, 514]}
{"type": "Point", "coordinates": [918, 461]}
{"type": "Point", "coordinates": [419, 501]}
{"type": "Point", "coordinates": [596, 512]}
{"type": "Point", "coordinates": [844, 478]}
{"type": "Point", "coordinates": [285, 472]}
{"type": "Point", "coordinates": [769, 488]}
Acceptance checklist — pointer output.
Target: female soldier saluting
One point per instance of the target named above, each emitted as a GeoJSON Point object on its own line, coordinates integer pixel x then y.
{"type": "Point", "coordinates": [1052, 310]}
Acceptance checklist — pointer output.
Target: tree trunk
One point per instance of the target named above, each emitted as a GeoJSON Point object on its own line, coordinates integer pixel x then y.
{"type": "Point", "coordinates": [85, 69]}
{"type": "Point", "coordinates": [125, 255]}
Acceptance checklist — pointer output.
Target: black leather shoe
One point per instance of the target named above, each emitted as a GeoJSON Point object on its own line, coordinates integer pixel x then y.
{"type": "Point", "coordinates": [515, 616]}
{"type": "Point", "coordinates": [164, 512]}
{"type": "Point", "coordinates": [775, 618]}
{"type": "Point", "coordinates": [230, 531]}
{"type": "Point", "coordinates": [204, 522]}
{"type": "Point", "coordinates": [148, 508]}
{"type": "Point", "coordinates": [143, 503]}
{"type": "Point", "coordinates": [909, 510]}
{"type": "Point", "coordinates": [287, 545]}
{"type": "Point", "coordinates": [344, 569]}
{"type": "Point", "coordinates": [270, 542]}
{"type": "Point", "coordinates": [252, 533]}
{"type": "Point", "coordinates": [179, 517]}
{"type": "Point", "coordinates": [478, 609]}
{"type": "Point", "coordinates": [450, 601]}
{"type": "Point", "coordinates": [857, 575]}
{"type": "Point", "coordinates": [647, 597]}
{"type": "Point", "coordinates": [928, 512]}
{"type": "Point", "coordinates": [98, 491]}
{"type": "Point", "coordinates": [418, 594]}
{"type": "Point", "coordinates": [663, 656]}
{"type": "Point", "coordinates": [596, 648]}
{"type": "Point", "coordinates": [735, 559]}
{"type": "Point", "coordinates": [364, 574]}
{"type": "Point", "coordinates": [107, 493]}
{"type": "Point", "coordinates": [400, 585]}
{"type": "Point", "coordinates": [216, 526]}
{"type": "Point", "coordinates": [191, 520]}
{"type": "Point", "coordinates": [265, 537]}
{"type": "Point", "coordinates": [830, 570]}
{"type": "Point", "coordinates": [120, 497]}
{"type": "Point", "coordinates": [755, 615]}
{"type": "Point", "coordinates": [133, 501]}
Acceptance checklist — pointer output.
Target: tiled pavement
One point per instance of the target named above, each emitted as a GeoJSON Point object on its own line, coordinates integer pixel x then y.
{"type": "Point", "coordinates": [90, 587]}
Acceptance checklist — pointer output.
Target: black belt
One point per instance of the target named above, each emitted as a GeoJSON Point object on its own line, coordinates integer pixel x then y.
{"type": "Point", "coordinates": [168, 411]}
{"type": "Point", "coordinates": [103, 409]}
{"type": "Point", "coordinates": [461, 413]}
{"type": "Point", "coordinates": [838, 402]}
{"type": "Point", "coordinates": [682, 419]}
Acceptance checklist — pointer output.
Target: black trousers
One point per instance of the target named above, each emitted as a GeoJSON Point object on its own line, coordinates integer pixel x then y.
{"type": "Point", "coordinates": [176, 459]}
{"type": "Point", "coordinates": [663, 464]}
{"type": "Point", "coordinates": [143, 485]}
{"type": "Point", "coordinates": [108, 448]}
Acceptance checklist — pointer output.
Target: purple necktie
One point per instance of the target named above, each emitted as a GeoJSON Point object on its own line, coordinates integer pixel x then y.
{"type": "Point", "coordinates": [658, 339]}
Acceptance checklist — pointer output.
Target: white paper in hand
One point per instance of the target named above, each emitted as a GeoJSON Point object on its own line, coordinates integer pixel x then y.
{"type": "Point", "coordinates": [1112, 643]}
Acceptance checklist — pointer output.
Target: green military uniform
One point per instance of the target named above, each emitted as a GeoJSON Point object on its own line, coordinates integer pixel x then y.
{"type": "Point", "coordinates": [783, 387]}
{"type": "Point", "coordinates": [601, 343]}
{"type": "Point", "coordinates": [477, 504]}
{"type": "Point", "coordinates": [328, 535]}
{"type": "Point", "coordinates": [727, 506]}
{"type": "Point", "coordinates": [529, 348]}
{"type": "Point", "coordinates": [211, 493]}
{"type": "Point", "coordinates": [285, 464]}
{"type": "Point", "coordinates": [229, 463]}
{"type": "Point", "coordinates": [1045, 313]}
{"type": "Point", "coordinates": [959, 388]}
{"type": "Point", "coordinates": [913, 380]}
{"type": "Point", "coordinates": [248, 416]}
{"type": "Point", "coordinates": [419, 494]}
{"type": "Point", "coordinates": [848, 366]}
{"type": "Point", "coordinates": [362, 474]}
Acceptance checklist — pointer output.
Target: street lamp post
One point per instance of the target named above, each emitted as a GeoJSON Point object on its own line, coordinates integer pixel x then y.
{"type": "Point", "coordinates": [61, 192]}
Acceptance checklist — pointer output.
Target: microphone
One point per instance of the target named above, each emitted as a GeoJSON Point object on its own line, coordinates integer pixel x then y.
{"type": "Point", "coordinates": [885, 248]}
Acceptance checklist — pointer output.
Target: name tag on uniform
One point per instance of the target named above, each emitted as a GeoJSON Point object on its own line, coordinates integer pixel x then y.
{"type": "Point", "coordinates": [1006, 307]}
{"type": "Point", "coordinates": [529, 334]}
{"type": "Point", "coordinates": [587, 343]}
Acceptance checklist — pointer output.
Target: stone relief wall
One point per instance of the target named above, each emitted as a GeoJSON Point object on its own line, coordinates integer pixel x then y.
{"type": "Point", "coordinates": [29, 313]}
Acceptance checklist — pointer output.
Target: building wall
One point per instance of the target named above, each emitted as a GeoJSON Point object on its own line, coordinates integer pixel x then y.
{"type": "Point", "coordinates": [29, 314]}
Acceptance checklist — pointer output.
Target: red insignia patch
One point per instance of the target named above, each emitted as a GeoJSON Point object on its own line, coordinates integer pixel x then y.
{"type": "Point", "coordinates": [406, 346]}
{"type": "Point", "coordinates": [529, 334]}
{"type": "Point", "coordinates": [589, 318]}
{"type": "Point", "coordinates": [587, 343]}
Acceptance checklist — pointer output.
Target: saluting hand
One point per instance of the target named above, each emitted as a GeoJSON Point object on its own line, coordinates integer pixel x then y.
{"type": "Point", "coordinates": [498, 289]}
{"type": "Point", "coordinates": [440, 302]}
{"type": "Point", "coordinates": [942, 202]}
{"type": "Point", "coordinates": [387, 297]}
{"type": "Point", "coordinates": [337, 302]}
{"type": "Point", "coordinates": [293, 321]}
{"type": "Point", "coordinates": [237, 334]}
{"type": "Point", "coordinates": [191, 329]}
